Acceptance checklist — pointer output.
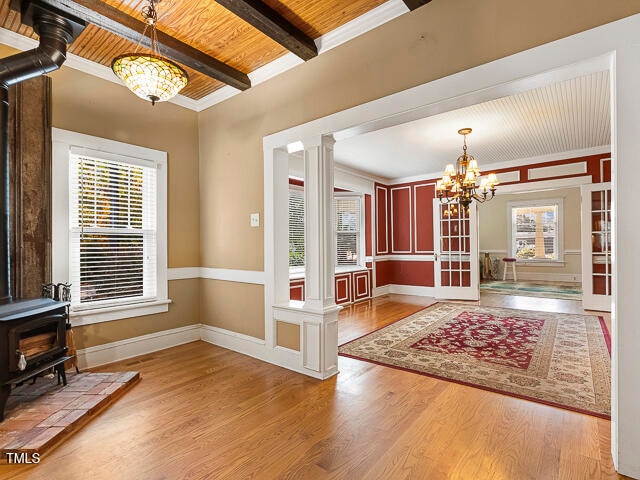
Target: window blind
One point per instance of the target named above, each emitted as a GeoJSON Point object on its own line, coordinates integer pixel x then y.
{"type": "Point", "coordinates": [348, 219]}
{"type": "Point", "coordinates": [113, 229]}
{"type": "Point", "coordinates": [296, 228]}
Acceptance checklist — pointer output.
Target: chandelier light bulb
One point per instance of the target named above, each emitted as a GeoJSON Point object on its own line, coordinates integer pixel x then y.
{"type": "Point", "coordinates": [458, 184]}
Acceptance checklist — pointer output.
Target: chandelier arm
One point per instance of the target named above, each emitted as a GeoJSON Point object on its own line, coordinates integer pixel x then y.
{"type": "Point", "coordinates": [460, 184]}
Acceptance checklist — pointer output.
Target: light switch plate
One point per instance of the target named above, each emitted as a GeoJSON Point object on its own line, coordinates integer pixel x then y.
{"type": "Point", "coordinates": [255, 219]}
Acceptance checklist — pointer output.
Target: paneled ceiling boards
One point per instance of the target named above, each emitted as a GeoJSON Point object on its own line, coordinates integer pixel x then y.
{"type": "Point", "coordinates": [219, 43]}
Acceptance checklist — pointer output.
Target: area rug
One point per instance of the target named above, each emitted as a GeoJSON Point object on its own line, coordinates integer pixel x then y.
{"type": "Point", "coordinates": [562, 360]}
{"type": "Point", "coordinates": [533, 289]}
{"type": "Point", "coordinates": [39, 415]}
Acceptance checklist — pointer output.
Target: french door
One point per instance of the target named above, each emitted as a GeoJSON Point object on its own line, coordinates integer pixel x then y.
{"type": "Point", "coordinates": [596, 246]}
{"type": "Point", "coordinates": [456, 266]}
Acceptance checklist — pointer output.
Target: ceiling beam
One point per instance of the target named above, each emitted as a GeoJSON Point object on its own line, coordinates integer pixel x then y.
{"type": "Point", "coordinates": [273, 25]}
{"type": "Point", "coordinates": [413, 4]}
{"type": "Point", "coordinates": [115, 21]}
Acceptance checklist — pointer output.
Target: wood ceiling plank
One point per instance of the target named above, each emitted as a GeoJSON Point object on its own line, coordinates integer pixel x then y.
{"type": "Point", "coordinates": [102, 47]}
{"type": "Point", "coordinates": [273, 25]}
{"type": "Point", "coordinates": [321, 17]}
{"type": "Point", "coordinates": [413, 4]}
{"type": "Point", "coordinates": [113, 20]}
{"type": "Point", "coordinates": [207, 26]}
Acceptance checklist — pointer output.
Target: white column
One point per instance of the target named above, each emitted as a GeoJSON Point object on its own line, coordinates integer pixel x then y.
{"type": "Point", "coordinates": [319, 248]}
{"type": "Point", "coordinates": [319, 329]}
{"type": "Point", "coordinates": [625, 421]}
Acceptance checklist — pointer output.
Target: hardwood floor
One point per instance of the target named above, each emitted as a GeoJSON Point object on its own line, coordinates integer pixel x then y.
{"type": "Point", "coordinates": [201, 411]}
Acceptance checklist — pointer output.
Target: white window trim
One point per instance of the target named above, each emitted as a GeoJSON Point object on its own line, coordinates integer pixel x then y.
{"type": "Point", "coordinates": [537, 203]}
{"type": "Point", "coordinates": [296, 273]}
{"type": "Point", "coordinates": [63, 142]}
{"type": "Point", "coordinates": [362, 247]}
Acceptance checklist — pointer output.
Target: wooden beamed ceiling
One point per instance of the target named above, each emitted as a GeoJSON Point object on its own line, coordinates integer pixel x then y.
{"type": "Point", "coordinates": [217, 41]}
{"type": "Point", "coordinates": [115, 21]}
{"type": "Point", "coordinates": [269, 22]}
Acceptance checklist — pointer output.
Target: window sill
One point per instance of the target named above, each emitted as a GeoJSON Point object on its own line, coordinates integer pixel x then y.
{"type": "Point", "coordinates": [118, 312]}
{"type": "Point", "coordinates": [350, 268]}
{"type": "Point", "coordinates": [338, 271]}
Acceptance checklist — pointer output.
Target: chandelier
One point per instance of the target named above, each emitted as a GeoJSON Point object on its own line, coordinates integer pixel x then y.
{"type": "Point", "coordinates": [150, 76]}
{"type": "Point", "coordinates": [460, 184]}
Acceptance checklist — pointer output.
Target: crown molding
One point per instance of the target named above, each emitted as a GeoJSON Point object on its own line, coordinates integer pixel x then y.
{"type": "Point", "coordinates": [350, 30]}
{"type": "Point", "coordinates": [552, 157]}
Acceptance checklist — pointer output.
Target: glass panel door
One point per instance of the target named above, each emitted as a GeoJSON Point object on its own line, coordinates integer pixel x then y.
{"type": "Point", "coordinates": [596, 247]}
{"type": "Point", "coordinates": [456, 256]}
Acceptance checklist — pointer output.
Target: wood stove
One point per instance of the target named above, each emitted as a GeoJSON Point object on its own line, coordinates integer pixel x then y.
{"type": "Point", "coordinates": [32, 331]}
{"type": "Point", "coordinates": [32, 340]}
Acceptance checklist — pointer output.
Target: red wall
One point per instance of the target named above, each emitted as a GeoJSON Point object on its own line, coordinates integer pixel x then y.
{"type": "Point", "coordinates": [404, 220]}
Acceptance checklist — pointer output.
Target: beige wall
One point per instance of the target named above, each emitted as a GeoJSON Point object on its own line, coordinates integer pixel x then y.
{"type": "Point", "coordinates": [233, 306]}
{"type": "Point", "coordinates": [288, 335]}
{"type": "Point", "coordinates": [439, 39]}
{"type": "Point", "coordinates": [184, 310]}
{"type": "Point", "coordinates": [492, 218]}
{"type": "Point", "coordinates": [86, 104]}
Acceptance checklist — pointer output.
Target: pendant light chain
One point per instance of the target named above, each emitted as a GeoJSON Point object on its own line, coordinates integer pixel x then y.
{"type": "Point", "coordinates": [150, 76]}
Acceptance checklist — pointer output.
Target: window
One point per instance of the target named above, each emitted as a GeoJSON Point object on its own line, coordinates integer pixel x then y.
{"type": "Point", "coordinates": [112, 231]}
{"type": "Point", "coordinates": [348, 221]}
{"type": "Point", "coordinates": [109, 227]}
{"type": "Point", "coordinates": [296, 229]}
{"type": "Point", "coordinates": [536, 230]}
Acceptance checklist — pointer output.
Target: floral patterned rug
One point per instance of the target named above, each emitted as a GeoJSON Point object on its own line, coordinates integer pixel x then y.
{"type": "Point", "coordinates": [558, 359]}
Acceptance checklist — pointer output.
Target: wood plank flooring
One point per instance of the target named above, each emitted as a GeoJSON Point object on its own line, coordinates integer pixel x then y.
{"type": "Point", "coordinates": [203, 412]}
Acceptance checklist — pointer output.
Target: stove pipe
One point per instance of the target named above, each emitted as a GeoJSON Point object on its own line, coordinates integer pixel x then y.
{"type": "Point", "coordinates": [55, 30]}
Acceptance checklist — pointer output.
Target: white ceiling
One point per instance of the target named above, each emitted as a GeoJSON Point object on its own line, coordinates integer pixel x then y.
{"type": "Point", "coordinates": [563, 117]}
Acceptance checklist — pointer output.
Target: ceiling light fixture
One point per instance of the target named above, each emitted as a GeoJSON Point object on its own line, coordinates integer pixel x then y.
{"type": "Point", "coordinates": [459, 184]}
{"type": "Point", "coordinates": [150, 76]}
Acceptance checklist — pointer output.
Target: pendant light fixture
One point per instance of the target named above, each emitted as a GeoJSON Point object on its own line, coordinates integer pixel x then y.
{"type": "Point", "coordinates": [150, 76]}
{"type": "Point", "coordinates": [459, 183]}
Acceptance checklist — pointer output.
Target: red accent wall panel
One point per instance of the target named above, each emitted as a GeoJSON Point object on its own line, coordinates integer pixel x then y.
{"type": "Point", "coordinates": [343, 288]}
{"type": "Point", "coordinates": [412, 273]}
{"type": "Point", "coordinates": [361, 286]}
{"type": "Point", "coordinates": [423, 227]}
{"type": "Point", "coordinates": [405, 272]}
{"type": "Point", "coordinates": [382, 237]}
{"type": "Point", "coordinates": [606, 170]}
{"type": "Point", "coordinates": [296, 290]}
{"type": "Point", "coordinates": [593, 169]}
{"type": "Point", "coordinates": [384, 273]}
{"type": "Point", "coordinates": [401, 219]}
{"type": "Point", "coordinates": [296, 181]}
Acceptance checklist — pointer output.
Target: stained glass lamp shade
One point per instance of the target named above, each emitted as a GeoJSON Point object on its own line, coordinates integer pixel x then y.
{"type": "Point", "coordinates": [150, 77]}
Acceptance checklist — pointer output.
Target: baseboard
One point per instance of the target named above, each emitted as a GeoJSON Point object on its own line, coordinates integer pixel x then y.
{"type": "Point", "coordinates": [379, 291]}
{"type": "Point", "coordinates": [238, 342]}
{"type": "Point", "coordinates": [136, 346]}
{"type": "Point", "coordinates": [132, 347]}
{"type": "Point", "coordinates": [256, 348]}
{"type": "Point", "coordinates": [412, 290]}
{"type": "Point", "coordinates": [404, 290]}
{"type": "Point", "coordinates": [549, 277]}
